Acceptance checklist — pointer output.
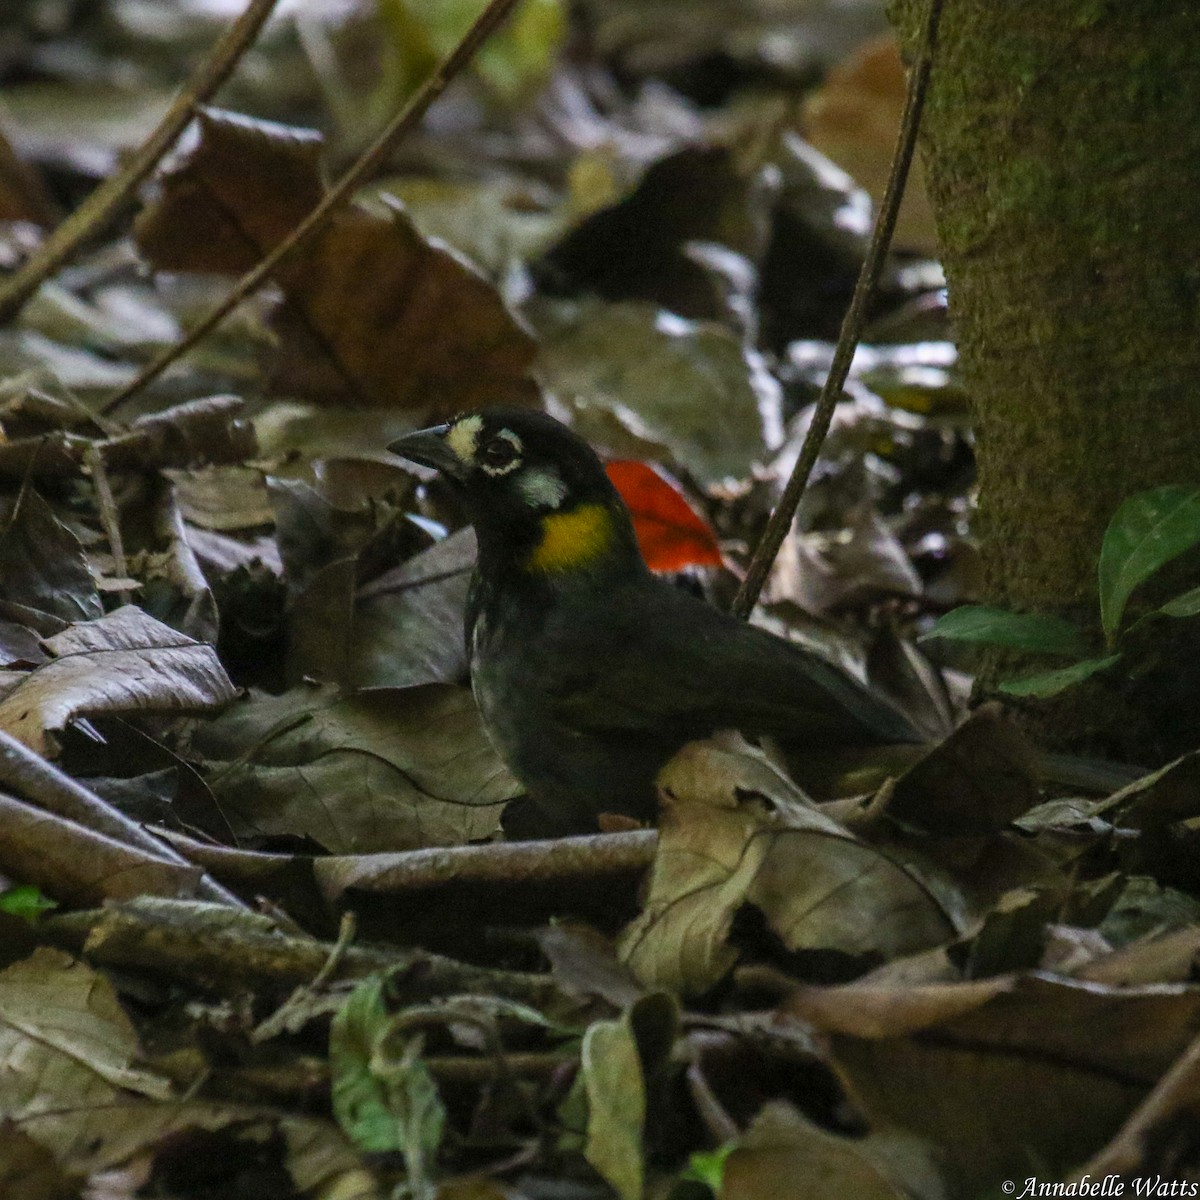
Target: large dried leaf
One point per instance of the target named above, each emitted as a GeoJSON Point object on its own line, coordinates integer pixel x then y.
{"type": "Point", "coordinates": [123, 663]}
{"type": "Point", "coordinates": [68, 1051]}
{"type": "Point", "coordinates": [70, 1078]}
{"type": "Point", "coordinates": [975, 782]}
{"type": "Point", "coordinates": [81, 865]}
{"type": "Point", "coordinates": [1008, 1077]}
{"type": "Point", "coordinates": [785, 1154]}
{"type": "Point", "coordinates": [408, 625]}
{"type": "Point", "coordinates": [373, 310]}
{"type": "Point", "coordinates": [689, 385]}
{"type": "Point", "coordinates": [735, 832]}
{"type": "Point", "coordinates": [385, 769]}
{"type": "Point", "coordinates": [386, 638]}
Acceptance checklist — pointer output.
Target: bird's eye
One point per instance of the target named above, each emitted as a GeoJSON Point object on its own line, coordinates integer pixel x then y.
{"type": "Point", "coordinates": [499, 452]}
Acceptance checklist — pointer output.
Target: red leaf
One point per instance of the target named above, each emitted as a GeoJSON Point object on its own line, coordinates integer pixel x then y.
{"type": "Point", "coordinates": [670, 532]}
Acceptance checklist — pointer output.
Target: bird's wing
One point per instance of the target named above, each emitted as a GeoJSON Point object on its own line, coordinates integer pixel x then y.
{"type": "Point", "coordinates": [661, 660]}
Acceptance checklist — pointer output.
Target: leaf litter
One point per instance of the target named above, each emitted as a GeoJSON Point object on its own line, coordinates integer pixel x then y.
{"type": "Point", "coordinates": [308, 960]}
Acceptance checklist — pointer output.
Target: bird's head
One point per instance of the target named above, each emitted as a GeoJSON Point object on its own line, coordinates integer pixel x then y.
{"type": "Point", "coordinates": [536, 493]}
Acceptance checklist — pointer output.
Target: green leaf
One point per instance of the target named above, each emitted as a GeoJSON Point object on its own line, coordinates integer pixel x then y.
{"type": "Point", "coordinates": [1148, 530]}
{"type": "Point", "coordinates": [1050, 683]}
{"type": "Point", "coordinates": [384, 1100]}
{"type": "Point", "coordinates": [25, 902]}
{"type": "Point", "coordinates": [1036, 632]}
{"type": "Point", "coordinates": [359, 1099]}
{"type": "Point", "coordinates": [1185, 605]}
{"type": "Point", "coordinates": [512, 62]}
{"type": "Point", "coordinates": [708, 1166]}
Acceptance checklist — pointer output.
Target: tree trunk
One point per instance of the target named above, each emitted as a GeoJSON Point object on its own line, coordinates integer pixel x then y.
{"type": "Point", "coordinates": [1062, 153]}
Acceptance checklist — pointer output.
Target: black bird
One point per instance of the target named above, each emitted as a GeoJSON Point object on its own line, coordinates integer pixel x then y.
{"type": "Point", "coordinates": [590, 671]}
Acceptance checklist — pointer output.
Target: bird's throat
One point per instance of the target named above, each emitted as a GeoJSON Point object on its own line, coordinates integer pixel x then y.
{"type": "Point", "coordinates": [572, 540]}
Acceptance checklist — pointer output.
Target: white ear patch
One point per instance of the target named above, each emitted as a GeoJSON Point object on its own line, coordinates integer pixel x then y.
{"type": "Point", "coordinates": [463, 437]}
{"type": "Point", "coordinates": [542, 487]}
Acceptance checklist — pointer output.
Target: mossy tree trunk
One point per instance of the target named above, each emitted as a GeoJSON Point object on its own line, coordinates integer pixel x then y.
{"type": "Point", "coordinates": [1061, 141]}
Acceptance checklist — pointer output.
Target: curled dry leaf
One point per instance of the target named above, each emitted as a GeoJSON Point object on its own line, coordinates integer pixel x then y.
{"type": "Point", "coordinates": [428, 333]}
{"type": "Point", "coordinates": [123, 663]}
{"type": "Point", "coordinates": [208, 430]}
{"type": "Point", "coordinates": [78, 865]}
{"type": "Point", "coordinates": [736, 831]}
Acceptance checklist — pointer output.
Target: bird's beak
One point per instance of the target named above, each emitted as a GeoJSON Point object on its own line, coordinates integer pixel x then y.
{"type": "Point", "coordinates": [429, 448]}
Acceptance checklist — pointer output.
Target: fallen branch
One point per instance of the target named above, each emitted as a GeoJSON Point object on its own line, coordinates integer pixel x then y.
{"type": "Point", "coordinates": [230, 952]}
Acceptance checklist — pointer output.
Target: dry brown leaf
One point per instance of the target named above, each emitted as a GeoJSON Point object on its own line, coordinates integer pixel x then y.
{"type": "Point", "coordinates": [79, 865]}
{"type": "Point", "coordinates": [384, 769]}
{"type": "Point", "coordinates": [975, 782]}
{"type": "Point", "coordinates": [736, 831]}
{"type": "Point", "coordinates": [1004, 1075]}
{"type": "Point", "coordinates": [68, 1050]}
{"type": "Point", "coordinates": [123, 662]}
{"type": "Point", "coordinates": [71, 1085]}
{"type": "Point", "coordinates": [785, 1154]}
{"type": "Point", "coordinates": [373, 310]}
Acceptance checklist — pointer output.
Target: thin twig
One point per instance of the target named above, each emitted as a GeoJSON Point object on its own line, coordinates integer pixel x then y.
{"type": "Point", "coordinates": [364, 167]}
{"type": "Point", "coordinates": [300, 1001]}
{"type": "Point", "coordinates": [110, 516]}
{"type": "Point", "coordinates": [852, 326]}
{"type": "Point", "coordinates": [97, 212]}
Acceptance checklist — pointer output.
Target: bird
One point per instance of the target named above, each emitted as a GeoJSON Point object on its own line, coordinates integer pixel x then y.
{"type": "Point", "coordinates": [590, 672]}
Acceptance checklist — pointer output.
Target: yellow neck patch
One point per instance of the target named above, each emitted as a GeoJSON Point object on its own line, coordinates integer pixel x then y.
{"type": "Point", "coordinates": [572, 539]}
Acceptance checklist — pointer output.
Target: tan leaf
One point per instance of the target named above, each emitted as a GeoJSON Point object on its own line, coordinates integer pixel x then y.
{"type": "Point", "coordinates": [736, 831]}
{"type": "Point", "coordinates": [785, 1154]}
{"type": "Point", "coordinates": [67, 1048]}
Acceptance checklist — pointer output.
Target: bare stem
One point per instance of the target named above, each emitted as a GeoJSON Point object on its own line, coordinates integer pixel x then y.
{"type": "Point", "coordinates": [852, 326]}
{"type": "Point", "coordinates": [99, 210]}
{"type": "Point", "coordinates": [363, 168]}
